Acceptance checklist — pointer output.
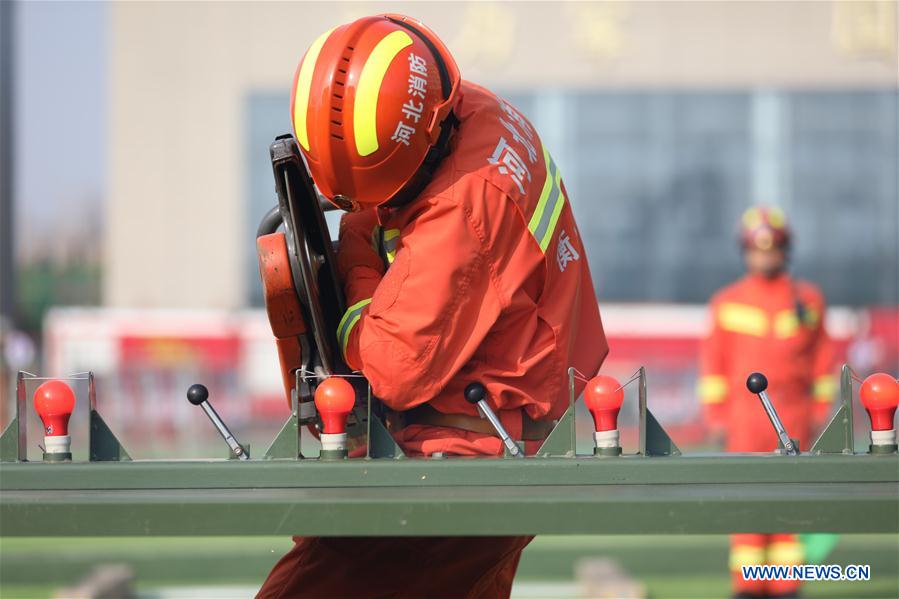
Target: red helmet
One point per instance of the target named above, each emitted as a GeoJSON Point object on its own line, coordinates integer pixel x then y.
{"type": "Point", "coordinates": [765, 227]}
{"type": "Point", "coordinates": [371, 108]}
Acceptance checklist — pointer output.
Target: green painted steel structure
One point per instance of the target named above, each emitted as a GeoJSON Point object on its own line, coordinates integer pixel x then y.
{"type": "Point", "coordinates": [586, 495]}
{"type": "Point", "coordinates": [657, 490]}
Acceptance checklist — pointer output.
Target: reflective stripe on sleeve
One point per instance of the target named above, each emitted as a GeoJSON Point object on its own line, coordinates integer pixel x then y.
{"type": "Point", "coordinates": [349, 320]}
{"type": "Point", "coordinates": [549, 206]}
{"type": "Point", "coordinates": [712, 388]}
{"type": "Point", "coordinates": [824, 388]}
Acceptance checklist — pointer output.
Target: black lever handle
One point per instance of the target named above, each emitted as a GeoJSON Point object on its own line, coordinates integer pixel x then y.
{"type": "Point", "coordinates": [198, 395]}
{"type": "Point", "coordinates": [757, 382]}
{"type": "Point", "coordinates": [475, 392]}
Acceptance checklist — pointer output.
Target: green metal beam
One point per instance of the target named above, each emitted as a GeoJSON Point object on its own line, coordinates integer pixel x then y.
{"type": "Point", "coordinates": [454, 496]}
{"type": "Point", "coordinates": [219, 474]}
{"type": "Point", "coordinates": [511, 510]}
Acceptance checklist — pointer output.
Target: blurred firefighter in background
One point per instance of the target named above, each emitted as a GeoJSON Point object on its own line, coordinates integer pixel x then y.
{"type": "Point", "coordinates": [769, 322]}
{"type": "Point", "coordinates": [461, 263]}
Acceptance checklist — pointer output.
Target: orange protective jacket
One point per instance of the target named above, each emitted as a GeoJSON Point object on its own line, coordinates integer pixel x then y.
{"type": "Point", "coordinates": [774, 326]}
{"type": "Point", "coordinates": [483, 277]}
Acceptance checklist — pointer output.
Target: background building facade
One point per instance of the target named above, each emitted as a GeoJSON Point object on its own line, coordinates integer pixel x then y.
{"type": "Point", "coordinates": [666, 118]}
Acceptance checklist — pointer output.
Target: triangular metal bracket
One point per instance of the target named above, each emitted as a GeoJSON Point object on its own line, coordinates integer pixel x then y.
{"type": "Point", "coordinates": [560, 442]}
{"type": "Point", "coordinates": [654, 441]}
{"type": "Point", "coordinates": [657, 441]}
{"type": "Point", "coordinates": [838, 436]}
{"type": "Point", "coordinates": [9, 443]}
{"type": "Point", "coordinates": [381, 443]}
{"type": "Point", "coordinates": [287, 443]}
{"type": "Point", "coordinates": [104, 446]}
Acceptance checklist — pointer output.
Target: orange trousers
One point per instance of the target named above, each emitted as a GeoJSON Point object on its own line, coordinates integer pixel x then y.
{"type": "Point", "coordinates": [758, 549]}
{"type": "Point", "coordinates": [413, 567]}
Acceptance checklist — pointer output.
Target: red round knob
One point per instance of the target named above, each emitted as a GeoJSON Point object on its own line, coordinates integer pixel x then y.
{"type": "Point", "coordinates": [604, 396]}
{"type": "Point", "coordinates": [334, 400]}
{"type": "Point", "coordinates": [54, 402]}
{"type": "Point", "coordinates": [880, 396]}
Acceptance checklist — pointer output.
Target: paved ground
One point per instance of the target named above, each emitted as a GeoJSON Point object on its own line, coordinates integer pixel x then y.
{"type": "Point", "coordinates": [222, 568]}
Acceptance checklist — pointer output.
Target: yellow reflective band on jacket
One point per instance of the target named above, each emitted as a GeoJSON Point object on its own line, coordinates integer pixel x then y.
{"type": "Point", "coordinates": [825, 387]}
{"type": "Point", "coordinates": [304, 85]}
{"type": "Point", "coordinates": [549, 206]}
{"type": "Point", "coordinates": [712, 388]}
{"type": "Point", "coordinates": [785, 552]}
{"type": "Point", "coordinates": [365, 106]}
{"type": "Point", "coordinates": [349, 320]}
{"type": "Point", "coordinates": [390, 241]}
{"type": "Point", "coordinates": [743, 319]}
{"type": "Point", "coordinates": [786, 324]}
{"type": "Point", "coordinates": [746, 555]}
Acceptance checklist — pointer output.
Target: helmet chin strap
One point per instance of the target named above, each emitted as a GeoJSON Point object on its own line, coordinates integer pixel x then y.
{"type": "Point", "coordinates": [425, 172]}
{"type": "Point", "coordinates": [416, 184]}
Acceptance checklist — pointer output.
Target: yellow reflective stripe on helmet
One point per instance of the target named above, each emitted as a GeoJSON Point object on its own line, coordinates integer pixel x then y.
{"type": "Point", "coordinates": [304, 85]}
{"type": "Point", "coordinates": [349, 320]}
{"type": "Point", "coordinates": [390, 241]}
{"type": "Point", "coordinates": [785, 552]}
{"type": "Point", "coordinates": [365, 107]}
{"type": "Point", "coordinates": [786, 323]}
{"type": "Point", "coordinates": [743, 319]}
{"type": "Point", "coordinates": [752, 218]}
{"type": "Point", "coordinates": [776, 217]}
{"type": "Point", "coordinates": [712, 388]}
{"type": "Point", "coordinates": [549, 206]}
{"type": "Point", "coordinates": [746, 555]}
{"type": "Point", "coordinates": [824, 388]}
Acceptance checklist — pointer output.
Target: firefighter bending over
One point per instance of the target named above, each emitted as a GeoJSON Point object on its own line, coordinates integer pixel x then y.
{"type": "Point", "coordinates": [461, 262]}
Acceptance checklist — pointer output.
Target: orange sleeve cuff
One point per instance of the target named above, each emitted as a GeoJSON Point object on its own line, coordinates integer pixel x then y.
{"type": "Point", "coordinates": [346, 330]}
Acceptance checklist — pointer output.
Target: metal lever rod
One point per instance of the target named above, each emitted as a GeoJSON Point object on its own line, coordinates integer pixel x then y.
{"type": "Point", "coordinates": [757, 383]}
{"type": "Point", "coordinates": [476, 393]}
{"type": "Point", "coordinates": [777, 424]}
{"type": "Point", "coordinates": [197, 395]}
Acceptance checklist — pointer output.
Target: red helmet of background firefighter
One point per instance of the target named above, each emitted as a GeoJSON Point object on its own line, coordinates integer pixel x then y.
{"type": "Point", "coordinates": [770, 322]}
{"type": "Point", "coordinates": [765, 237]}
{"type": "Point", "coordinates": [461, 263]}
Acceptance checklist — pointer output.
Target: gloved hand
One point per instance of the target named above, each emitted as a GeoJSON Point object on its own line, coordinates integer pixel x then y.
{"type": "Point", "coordinates": [358, 261]}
